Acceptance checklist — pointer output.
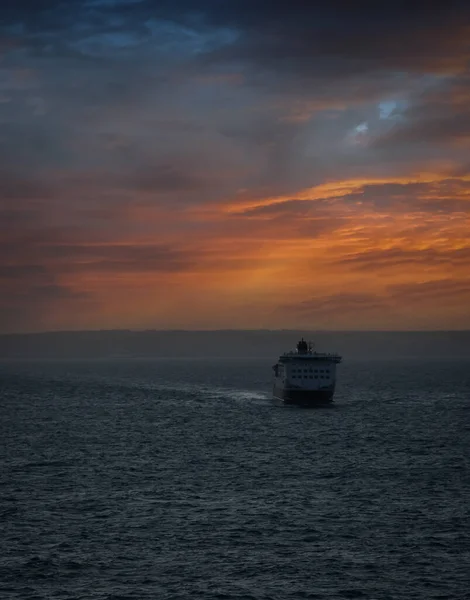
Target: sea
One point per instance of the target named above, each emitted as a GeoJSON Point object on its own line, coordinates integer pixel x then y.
{"type": "Point", "coordinates": [165, 479]}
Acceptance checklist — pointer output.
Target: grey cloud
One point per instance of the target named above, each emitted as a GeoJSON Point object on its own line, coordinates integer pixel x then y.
{"type": "Point", "coordinates": [80, 100]}
{"type": "Point", "coordinates": [15, 186]}
{"type": "Point", "coordinates": [164, 178]}
{"type": "Point", "coordinates": [441, 128]}
{"type": "Point", "coordinates": [439, 115]}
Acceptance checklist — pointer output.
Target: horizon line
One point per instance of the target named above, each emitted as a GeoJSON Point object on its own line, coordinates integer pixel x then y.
{"type": "Point", "coordinates": [265, 330]}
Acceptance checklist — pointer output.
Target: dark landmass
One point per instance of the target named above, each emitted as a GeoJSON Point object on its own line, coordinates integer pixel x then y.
{"type": "Point", "coordinates": [352, 345]}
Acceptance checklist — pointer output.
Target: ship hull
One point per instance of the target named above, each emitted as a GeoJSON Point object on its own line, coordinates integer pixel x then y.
{"type": "Point", "coordinates": [304, 397]}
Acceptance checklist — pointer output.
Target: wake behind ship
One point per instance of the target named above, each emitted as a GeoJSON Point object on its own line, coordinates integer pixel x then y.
{"type": "Point", "coordinates": [305, 377]}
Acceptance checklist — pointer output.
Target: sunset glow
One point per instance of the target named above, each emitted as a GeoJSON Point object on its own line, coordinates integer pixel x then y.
{"type": "Point", "coordinates": [173, 180]}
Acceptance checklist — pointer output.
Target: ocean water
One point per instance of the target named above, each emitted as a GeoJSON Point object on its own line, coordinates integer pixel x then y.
{"type": "Point", "coordinates": [183, 479]}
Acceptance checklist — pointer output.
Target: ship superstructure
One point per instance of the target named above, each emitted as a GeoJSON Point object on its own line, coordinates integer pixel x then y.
{"type": "Point", "coordinates": [305, 377]}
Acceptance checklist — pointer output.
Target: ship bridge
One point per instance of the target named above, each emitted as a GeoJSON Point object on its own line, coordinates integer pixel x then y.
{"type": "Point", "coordinates": [305, 351]}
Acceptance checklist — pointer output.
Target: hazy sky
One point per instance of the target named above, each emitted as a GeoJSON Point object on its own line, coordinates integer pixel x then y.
{"type": "Point", "coordinates": [234, 164]}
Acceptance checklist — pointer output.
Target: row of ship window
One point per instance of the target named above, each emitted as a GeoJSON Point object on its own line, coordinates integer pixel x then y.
{"type": "Point", "coordinates": [310, 376]}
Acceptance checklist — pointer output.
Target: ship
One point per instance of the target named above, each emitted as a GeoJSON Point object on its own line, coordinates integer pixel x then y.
{"type": "Point", "coordinates": [305, 377]}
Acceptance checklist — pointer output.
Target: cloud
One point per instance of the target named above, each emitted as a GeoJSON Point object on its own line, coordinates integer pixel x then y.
{"type": "Point", "coordinates": [405, 303]}
{"type": "Point", "coordinates": [44, 278]}
{"type": "Point", "coordinates": [431, 290]}
{"type": "Point", "coordinates": [31, 296]}
{"type": "Point", "coordinates": [164, 178]}
{"type": "Point", "coordinates": [117, 258]}
{"type": "Point", "coordinates": [447, 195]}
{"type": "Point", "coordinates": [393, 257]}
{"type": "Point", "coordinates": [444, 128]}
{"type": "Point", "coordinates": [235, 145]}
{"type": "Point", "coordinates": [293, 207]}
{"type": "Point", "coordinates": [330, 305]}
{"type": "Point", "coordinates": [339, 40]}
{"type": "Point", "coordinates": [438, 116]}
{"type": "Point", "coordinates": [265, 131]}
{"type": "Point", "coordinates": [15, 186]}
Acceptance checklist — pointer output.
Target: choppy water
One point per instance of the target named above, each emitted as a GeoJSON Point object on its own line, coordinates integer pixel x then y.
{"type": "Point", "coordinates": [183, 479]}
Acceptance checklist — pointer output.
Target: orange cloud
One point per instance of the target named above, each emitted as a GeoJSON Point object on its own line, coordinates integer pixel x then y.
{"type": "Point", "coordinates": [361, 252]}
{"type": "Point", "coordinates": [336, 238]}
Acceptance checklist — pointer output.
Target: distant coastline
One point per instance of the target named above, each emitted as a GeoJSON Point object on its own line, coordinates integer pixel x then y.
{"type": "Point", "coordinates": [445, 345]}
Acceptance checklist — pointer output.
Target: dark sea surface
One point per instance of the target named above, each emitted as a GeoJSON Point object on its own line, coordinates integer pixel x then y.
{"type": "Point", "coordinates": [175, 479]}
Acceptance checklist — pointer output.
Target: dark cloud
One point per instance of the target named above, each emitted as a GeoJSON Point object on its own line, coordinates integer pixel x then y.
{"type": "Point", "coordinates": [31, 293]}
{"type": "Point", "coordinates": [378, 259]}
{"type": "Point", "coordinates": [341, 39]}
{"type": "Point", "coordinates": [164, 178]}
{"type": "Point", "coordinates": [302, 219]}
{"type": "Point", "coordinates": [14, 186]}
{"type": "Point", "coordinates": [390, 301]}
{"type": "Point", "coordinates": [42, 257]}
{"type": "Point", "coordinates": [447, 195]}
{"type": "Point", "coordinates": [283, 208]}
{"type": "Point", "coordinates": [37, 274]}
{"type": "Point", "coordinates": [19, 313]}
{"type": "Point", "coordinates": [121, 258]}
{"type": "Point", "coordinates": [452, 128]}
{"type": "Point", "coordinates": [431, 290]}
{"type": "Point", "coordinates": [45, 245]}
{"type": "Point", "coordinates": [322, 57]}
{"type": "Point", "coordinates": [280, 33]}
{"type": "Point", "coordinates": [349, 302]}
{"type": "Point", "coordinates": [438, 116]}
{"type": "Point", "coordinates": [18, 272]}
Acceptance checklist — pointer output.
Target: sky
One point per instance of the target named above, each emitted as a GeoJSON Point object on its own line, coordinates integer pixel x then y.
{"type": "Point", "coordinates": [234, 164]}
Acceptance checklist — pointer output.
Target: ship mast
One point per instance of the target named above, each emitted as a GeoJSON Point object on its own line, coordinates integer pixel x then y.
{"type": "Point", "coordinates": [302, 347]}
